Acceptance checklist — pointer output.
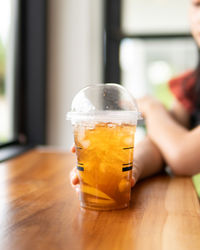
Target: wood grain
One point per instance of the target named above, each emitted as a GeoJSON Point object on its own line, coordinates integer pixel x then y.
{"type": "Point", "coordinates": [40, 210]}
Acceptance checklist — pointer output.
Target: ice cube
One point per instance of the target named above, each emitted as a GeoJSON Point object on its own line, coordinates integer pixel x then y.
{"type": "Point", "coordinates": [124, 185]}
{"type": "Point", "coordinates": [102, 167]}
{"type": "Point", "coordinates": [128, 141]}
{"type": "Point", "coordinates": [85, 143]}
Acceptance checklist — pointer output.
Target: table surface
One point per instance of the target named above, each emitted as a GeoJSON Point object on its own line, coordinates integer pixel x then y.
{"type": "Point", "coordinates": [40, 210]}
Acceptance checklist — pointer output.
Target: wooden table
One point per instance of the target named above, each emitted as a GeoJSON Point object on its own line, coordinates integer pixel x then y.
{"type": "Point", "coordinates": [40, 210]}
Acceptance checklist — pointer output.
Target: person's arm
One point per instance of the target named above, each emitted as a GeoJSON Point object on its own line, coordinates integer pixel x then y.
{"type": "Point", "coordinates": [147, 155]}
{"type": "Point", "coordinates": [180, 114]}
{"type": "Point", "coordinates": [178, 145]}
{"type": "Point", "coordinates": [148, 159]}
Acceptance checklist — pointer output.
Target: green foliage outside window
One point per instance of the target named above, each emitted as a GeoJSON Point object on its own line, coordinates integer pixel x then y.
{"type": "Point", "coordinates": [2, 68]}
{"type": "Point", "coordinates": [162, 93]}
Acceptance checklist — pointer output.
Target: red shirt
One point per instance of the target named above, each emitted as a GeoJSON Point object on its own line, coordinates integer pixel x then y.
{"type": "Point", "coordinates": [180, 86]}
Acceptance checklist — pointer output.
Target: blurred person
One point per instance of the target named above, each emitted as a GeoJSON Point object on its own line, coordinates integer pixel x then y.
{"type": "Point", "coordinates": [173, 136]}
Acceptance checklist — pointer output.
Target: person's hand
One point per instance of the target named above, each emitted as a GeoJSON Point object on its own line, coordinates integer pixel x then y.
{"type": "Point", "coordinates": [154, 113]}
{"type": "Point", "coordinates": [75, 180]}
{"type": "Point", "coordinates": [73, 174]}
{"type": "Point", "coordinates": [148, 105]}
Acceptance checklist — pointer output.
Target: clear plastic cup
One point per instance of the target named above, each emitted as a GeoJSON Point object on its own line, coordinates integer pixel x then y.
{"type": "Point", "coordinates": [104, 119]}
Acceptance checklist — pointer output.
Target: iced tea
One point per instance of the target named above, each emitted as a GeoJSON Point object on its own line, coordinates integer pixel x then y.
{"type": "Point", "coordinates": [104, 162]}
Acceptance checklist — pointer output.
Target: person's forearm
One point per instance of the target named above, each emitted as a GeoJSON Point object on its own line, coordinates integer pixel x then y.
{"type": "Point", "coordinates": [166, 133]}
{"type": "Point", "coordinates": [147, 158]}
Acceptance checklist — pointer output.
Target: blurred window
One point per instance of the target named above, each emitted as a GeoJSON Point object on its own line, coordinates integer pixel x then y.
{"type": "Point", "coordinates": [23, 32]}
{"type": "Point", "coordinates": [152, 42]}
{"type": "Point", "coordinates": [154, 16]}
{"type": "Point", "coordinates": [147, 65]}
{"type": "Point", "coordinates": [8, 20]}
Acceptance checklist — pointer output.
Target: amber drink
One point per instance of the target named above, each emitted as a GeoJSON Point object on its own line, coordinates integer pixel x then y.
{"type": "Point", "coordinates": [104, 119]}
{"type": "Point", "coordinates": [104, 163]}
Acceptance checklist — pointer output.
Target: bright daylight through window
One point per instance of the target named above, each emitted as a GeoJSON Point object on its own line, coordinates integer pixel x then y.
{"type": "Point", "coordinates": [147, 64]}
{"type": "Point", "coordinates": [7, 71]}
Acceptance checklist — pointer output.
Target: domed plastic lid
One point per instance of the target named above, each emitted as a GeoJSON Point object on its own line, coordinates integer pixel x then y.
{"type": "Point", "coordinates": [104, 103]}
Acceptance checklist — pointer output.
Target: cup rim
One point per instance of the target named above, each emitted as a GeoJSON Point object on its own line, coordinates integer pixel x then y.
{"type": "Point", "coordinates": [105, 116]}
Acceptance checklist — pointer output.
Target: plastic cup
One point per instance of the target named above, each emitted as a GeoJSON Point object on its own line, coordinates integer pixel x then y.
{"type": "Point", "coordinates": [104, 119]}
